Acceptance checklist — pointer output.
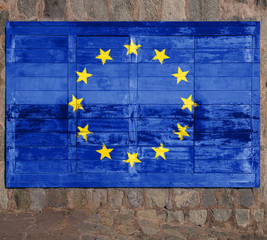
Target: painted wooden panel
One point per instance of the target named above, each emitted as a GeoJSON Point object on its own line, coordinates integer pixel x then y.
{"type": "Point", "coordinates": [133, 104]}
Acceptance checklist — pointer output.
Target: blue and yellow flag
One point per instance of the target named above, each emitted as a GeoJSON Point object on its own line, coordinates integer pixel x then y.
{"type": "Point", "coordinates": [133, 104]}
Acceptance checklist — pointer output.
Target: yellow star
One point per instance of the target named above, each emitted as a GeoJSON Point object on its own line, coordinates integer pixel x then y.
{"type": "Point", "coordinates": [76, 103]}
{"type": "Point", "coordinates": [188, 103]}
{"type": "Point", "coordinates": [104, 56]}
{"type": "Point", "coordinates": [182, 131]}
{"type": "Point", "coordinates": [132, 48]}
{"type": "Point", "coordinates": [160, 55]}
{"type": "Point", "coordinates": [180, 75]}
{"type": "Point", "coordinates": [132, 159]}
{"type": "Point", "coordinates": [160, 151]}
{"type": "Point", "coordinates": [105, 152]}
{"type": "Point", "coordinates": [83, 75]}
{"type": "Point", "coordinates": [84, 132]}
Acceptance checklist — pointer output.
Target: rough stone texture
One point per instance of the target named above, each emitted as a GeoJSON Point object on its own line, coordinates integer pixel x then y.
{"type": "Point", "coordinates": [38, 199]}
{"type": "Point", "coordinates": [242, 217]}
{"type": "Point", "coordinates": [27, 7]}
{"type": "Point", "coordinates": [261, 3]}
{"type": "Point", "coordinates": [212, 10]}
{"type": "Point", "coordinates": [54, 9]}
{"type": "Point", "coordinates": [148, 227]}
{"type": "Point", "coordinates": [173, 10]}
{"type": "Point", "coordinates": [149, 214]}
{"type": "Point", "coordinates": [198, 216]}
{"type": "Point", "coordinates": [3, 191]}
{"type": "Point", "coordinates": [78, 7]}
{"type": "Point", "coordinates": [246, 197]}
{"type": "Point", "coordinates": [122, 10]}
{"type": "Point", "coordinates": [157, 197]}
{"type": "Point", "coordinates": [135, 198]}
{"type": "Point", "coordinates": [225, 199]}
{"type": "Point", "coordinates": [96, 9]}
{"type": "Point", "coordinates": [259, 215]}
{"type": "Point", "coordinates": [175, 216]}
{"type": "Point", "coordinates": [22, 199]}
{"type": "Point", "coordinates": [184, 197]}
{"type": "Point", "coordinates": [79, 197]}
{"type": "Point", "coordinates": [56, 198]}
{"type": "Point", "coordinates": [115, 197]}
{"type": "Point", "coordinates": [208, 197]}
{"type": "Point", "coordinates": [195, 9]}
{"type": "Point", "coordinates": [4, 16]}
{"type": "Point", "coordinates": [148, 10]}
{"type": "Point", "coordinates": [173, 232]}
{"type": "Point", "coordinates": [222, 215]}
{"type": "Point", "coordinates": [98, 198]}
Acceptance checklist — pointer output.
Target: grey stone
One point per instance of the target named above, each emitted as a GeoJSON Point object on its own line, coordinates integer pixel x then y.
{"type": "Point", "coordinates": [222, 215]}
{"type": "Point", "coordinates": [148, 227]}
{"type": "Point", "coordinates": [38, 199]}
{"type": "Point", "coordinates": [22, 199]}
{"type": "Point", "coordinates": [175, 216]}
{"type": "Point", "coordinates": [208, 197]}
{"type": "Point", "coordinates": [172, 231]}
{"type": "Point", "coordinates": [27, 7]}
{"type": "Point", "coordinates": [148, 10]}
{"type": "Point", "coordinates": [122, 10]}
{"type": "Point", "coordinates": [198, 217]}
{"type": "Point", "coordinates": [56, 198]}
{"type": "Point", "coordinates": [97, 9]}
{"type": "Point", "coordinates": [259, 215]}
{"type": "Point", "coordinates": [157, 197]}
{"type": "Point", "coordinates": [185, 197]}
{"type": "Point", "coordinates": [261, 3]}
{"type": "Point", "coordinates": [78, 8]}
{"type": "Point", "coordinates": [225, 199]}
{"type": "Point", "coordinates": [115, 197]}
{"type": "Point", "coordinates": [3, 191]}
{"type": "Point", "coordinates": [149, 214]}
{"type": "Point", "coordinates": [98, 197]}
{"type": "Point", "coordinates": [212, 10]}
{"type": "Point", "coordinates": [242, 217]}
{"type": "Point", "coordinates": [173, 10]}
{"type": "Point", "coordinates": [4, 16]}
{"type": "Point", "coordinates": [246, 197]}
{"type": "Point", "coordinates": [195, 9]}
{"type": "Point", "coordinates": [79, 197]}
{"type": "Point", "coordinates": [135, 198]}
{"type": "Point", "coordinates": [54, 9]}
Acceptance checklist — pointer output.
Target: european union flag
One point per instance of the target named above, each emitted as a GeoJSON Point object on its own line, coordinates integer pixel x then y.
{"type": "Point", "coordinates": [124, 104]}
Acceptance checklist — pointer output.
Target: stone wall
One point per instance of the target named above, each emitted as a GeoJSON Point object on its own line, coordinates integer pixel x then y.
{"type": "Point", "coordinates": [214, 214]}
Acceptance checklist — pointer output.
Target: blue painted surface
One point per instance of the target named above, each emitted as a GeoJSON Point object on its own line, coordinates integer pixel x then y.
{"type": "Point", "coordinates": [132, 104]}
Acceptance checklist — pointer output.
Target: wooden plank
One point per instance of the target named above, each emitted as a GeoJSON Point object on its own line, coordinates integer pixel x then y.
{"type": "Point", "coordinates": [223, 97]}
{"type": "Point", "coordinates": [84, 42]}
{"type": "Point", "coordinates": [225, 166]}
{"type": "Point", "coordinates": [39, 125]}
{"type": "Point", "coordinates": [223, 125]}
{"type": "Point", "coordinates": [223, 111]}
{"type": "Point", "coordinates": [41, 55]}
{"type": "Point", "coordinates": [39, 167]}
{"type": "Point", "coordinates": [30, 42]}
{"type": "Point", "coordinates": [41, 153]}
{"type": "Point", "coordinates": [163, 97]}
{"type": "Point", "coordinates": [104, 83]}
{"type": "Point", "coordinates": [223, 55]}
{"type": "Point", "coordinates": [223, 83]}
{"type": "Point", "coordinates": [37, 111]}
{"type": "Point", "coordinates": [164, 83]}
{"type": "Point", "coordinates": [221, 42]}
{"type": "Point", "coordinates": [220, 153]}
{"type": "Point", "coordinates": [40, 83]}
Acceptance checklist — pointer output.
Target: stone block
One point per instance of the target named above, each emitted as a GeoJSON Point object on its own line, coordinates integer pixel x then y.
{"type": "Point", "coordinates": [222, 215]}
{"type": "Point", "coordinates": [97, 9]}
{"type": "Point", "coordinates": [148, 227]}
{"type": "Point", "coordinates": [54, 9]}
{"type": "Point", "coordinates": [242, 217]}
{"type": "Point", "coordinates": [185, 197]}
{"type": "Point", "coordinates": [127, 230]}
{"type": "Point", "coordinates": [98, 198]}
{"type": "Point", "coordinates": [172, 231]}
{"type": "Point", "coordinates": [115, 198]}
{"type": "Point", "coordinates": [195, 9]}
{"type": "Point", "coordinates": [246, 197]}
{"type": "Point", "coordinates": [261, 3]}
{"type": "Point", "coordinates": [208, 197]}
{"type": "Point", "coordinates": [38, 199]}
{"type": "Point", "coordinates": [22, 199]}
{"type": "Point", "coordinates": [157, 197]}
{"type": "Point", "coordinates": [122, 10]}
{"type": "Point", "coordinates": [175, 216]}
{"type": "Point", "coordinates": [78, 8]}
{"type": "Point", "coordinates": [57, 198]}
{"type": "Point", "coordinates": [79, 197]}
{"type": "Point", "coordinates": [225, 199]}
{"type": "Point", "coordinates": [27, 7]}
{"type": "Point", "coordinates": [149, 214]}
{"type": "Point", "coordinates": [3, 191]}
{"type": "Point", "coordinates": [4, 16]}
{"type": "Point", "coordinates": [148, 10]}
{"type": "Point", "coordinates": [259, 215]}
{"type": "Point", "coordinates": [198, 217]}
{"type": "Point", "coordinates": [212, 10]}
{"type": "Point", "coordinates": [173, 10]}
{"type": "Point", "coordinates": [135, 198]}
